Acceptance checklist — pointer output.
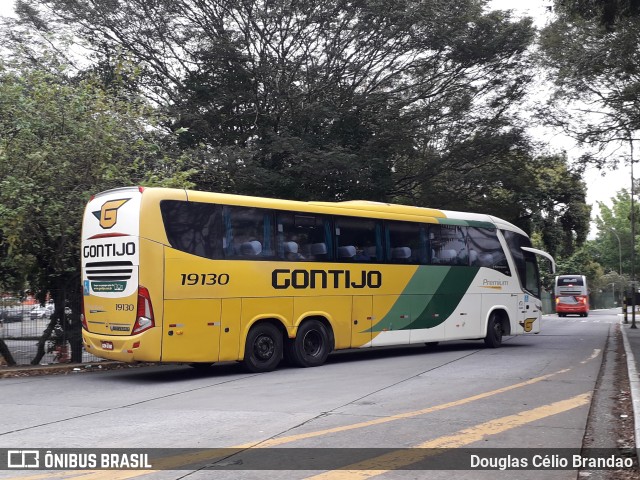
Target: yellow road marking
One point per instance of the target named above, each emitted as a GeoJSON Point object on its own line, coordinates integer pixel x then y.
{"type": "Point", "coordinates": [595, 353]}
{"type": "Point", "coordinates": [403, 458]}
{"type": "Point", "coordinates": [401, 416]}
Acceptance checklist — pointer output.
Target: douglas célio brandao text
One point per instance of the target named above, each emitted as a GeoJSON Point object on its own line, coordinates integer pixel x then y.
{"type": "Point", "coordinates": [548, 461]}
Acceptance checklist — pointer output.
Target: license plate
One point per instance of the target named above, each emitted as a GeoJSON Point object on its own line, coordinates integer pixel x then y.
{"type": "Point", "coordinates": [107, 345]}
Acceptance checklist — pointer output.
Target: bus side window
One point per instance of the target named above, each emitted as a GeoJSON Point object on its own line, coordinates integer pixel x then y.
{"type": "Point", "coordinates": [248, 232]}
{"type": "Point", "coordinates": [357, 238]}
{"type": "Point", "coordinates": [485, 250]}
{"type": "Point", "coordinates": [406, 242]}
{"type": "Point", "coordinates": [449, 245]}
{"type": "Point", "coordinates": [193, 227]}
{"type": "Point", "coordinates": [291, 251]}
{"type": "Point", "coordinates": [301, 236]}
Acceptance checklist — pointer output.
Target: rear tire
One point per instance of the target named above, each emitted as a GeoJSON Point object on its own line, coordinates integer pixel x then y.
{"type": "Point", "coordinates": [263, 350]}
{"type": "Point", "coordinates": [494, 332]}
{"type": "Point", "coordinates": [311, 346]}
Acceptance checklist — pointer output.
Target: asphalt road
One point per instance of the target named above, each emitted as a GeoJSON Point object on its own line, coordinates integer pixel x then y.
{"type": "Point", "coordinates": [532, 394]}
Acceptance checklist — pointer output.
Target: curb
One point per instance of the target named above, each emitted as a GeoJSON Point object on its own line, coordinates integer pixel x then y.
{"type": "Point", "coordinates": [64, 368]}
{"type": "Point", "coordinates": [634, 382]}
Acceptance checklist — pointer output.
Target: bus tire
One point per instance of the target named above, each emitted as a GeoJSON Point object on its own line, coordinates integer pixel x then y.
{"type": "Point", "coordinates": [263, 350]}
{"type": "Point", "coordinates": [494, 332]}
{"type": "Point", "coordinates": [311, 346]}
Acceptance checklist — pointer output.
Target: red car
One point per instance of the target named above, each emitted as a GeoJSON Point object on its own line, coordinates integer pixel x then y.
{"type": "Point", "coordinates": [572, 304]}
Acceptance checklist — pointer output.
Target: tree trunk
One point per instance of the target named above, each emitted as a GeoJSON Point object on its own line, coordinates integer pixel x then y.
{"type": "Point", "coordinates": [4, 352]}
{"type": "Point", "coordinates": [43, 339]}
{"type": "Point", "coordinates": [75, 338]}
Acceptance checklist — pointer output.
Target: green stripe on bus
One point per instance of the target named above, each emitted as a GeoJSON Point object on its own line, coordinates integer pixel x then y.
{"type": "Point", "coordinates": [431, 296]}
{"type": "Point", "coordinates": [444, 302]}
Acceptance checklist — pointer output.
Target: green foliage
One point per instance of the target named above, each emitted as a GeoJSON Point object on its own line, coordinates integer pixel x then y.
{"type": "Point", "coordinates": [592, 50]}
{"type": "Point", "coordinates": [614, 233]}
{"type": "Point", "coordinates": [539, 194]}
{"type": "Point", "coordinates": [582, 262]}
{"type": "Point", "coordinates": [60, 141]}
{"type": "Point", "coordinates": [306, 99]}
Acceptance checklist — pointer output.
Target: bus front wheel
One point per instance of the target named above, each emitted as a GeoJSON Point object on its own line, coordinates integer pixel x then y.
{"type": "Point", "coordinates": [263, 350]}
{"type": "Point", "coordinates": [311, 346]}
{"type": "Point", "coordinates": [494, 332]}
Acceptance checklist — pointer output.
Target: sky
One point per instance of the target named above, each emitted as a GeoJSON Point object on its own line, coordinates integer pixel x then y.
{"type": "Point", "coordinates": [601, 186]}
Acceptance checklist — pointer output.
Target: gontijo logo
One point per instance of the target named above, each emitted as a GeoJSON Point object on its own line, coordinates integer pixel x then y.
{"type": "Point", "coordinates": [108, 214]}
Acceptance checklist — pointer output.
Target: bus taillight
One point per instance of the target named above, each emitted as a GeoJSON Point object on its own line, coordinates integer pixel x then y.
{"type": "Point", "coordinates": [144, 315]}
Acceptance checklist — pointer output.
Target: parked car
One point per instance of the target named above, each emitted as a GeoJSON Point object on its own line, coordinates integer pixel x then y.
{"type": "Point", "coordinates": [41, 311]}
{"type": "Point", "coordinates": [12, 314]}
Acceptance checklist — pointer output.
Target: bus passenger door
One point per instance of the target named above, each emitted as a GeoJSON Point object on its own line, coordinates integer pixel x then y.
{"type": "Point", "coordinates": [361, 321]}
{"type": "Point", "coordinates": [191, 330]}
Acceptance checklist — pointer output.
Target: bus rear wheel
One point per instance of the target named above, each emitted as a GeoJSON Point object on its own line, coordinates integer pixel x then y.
{"type": "Point", "coordinates": [494, 332]}
{"type": "Point", "coordinates": [311, 346]}
{"type": "Point", "coordinates": [263, 350]}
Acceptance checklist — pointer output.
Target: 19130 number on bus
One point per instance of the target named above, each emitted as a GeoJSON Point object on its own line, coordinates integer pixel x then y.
{"type": "Point", "coordinates": [204, 278]}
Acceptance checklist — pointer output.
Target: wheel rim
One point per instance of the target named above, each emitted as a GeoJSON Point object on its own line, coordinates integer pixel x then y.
{"type": "Point", "coordinates": [312, 343]}
{"type": "Point", "coordinates": [264, 347]}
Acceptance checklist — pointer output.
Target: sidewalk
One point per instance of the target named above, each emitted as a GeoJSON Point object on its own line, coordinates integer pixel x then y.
{"type": "Point", "coordinates": [631, 339]}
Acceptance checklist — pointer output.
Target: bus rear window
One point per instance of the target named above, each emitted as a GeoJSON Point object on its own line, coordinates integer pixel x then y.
{"type": "Point", "coordinates": [570, 281]}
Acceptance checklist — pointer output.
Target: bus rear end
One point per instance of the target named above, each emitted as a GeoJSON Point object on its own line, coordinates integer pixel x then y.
{"type": "Point", "coordinates": [118, 319]}
{"type": "Point", "coordinates": [572, 295]}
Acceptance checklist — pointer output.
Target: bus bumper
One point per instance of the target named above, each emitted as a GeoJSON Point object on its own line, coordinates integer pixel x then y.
{"type": "Point", "coordinates": [144, 347]}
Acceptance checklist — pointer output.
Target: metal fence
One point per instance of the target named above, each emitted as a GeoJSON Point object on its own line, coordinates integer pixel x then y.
{"type": "Point", "coordinates": [22, 326]}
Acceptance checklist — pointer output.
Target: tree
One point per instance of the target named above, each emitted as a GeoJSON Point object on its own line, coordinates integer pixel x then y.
{"type": "Point", "coordinates": [310, 99]}
{"type": "Point", "coordinates": [592, 50]}
{"type": "Point", "coordinates": [583, 262]}
{"type": "Point", "coordinates": [537, 193]}
{"type": "Point", "coordinates": [614, 223]}
{"type": "Point", "coordinates": [62, 139]}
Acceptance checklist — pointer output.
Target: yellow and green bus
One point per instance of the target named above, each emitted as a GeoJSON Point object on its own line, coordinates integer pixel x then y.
{"type": "Point", "coordinates": [174, 275]}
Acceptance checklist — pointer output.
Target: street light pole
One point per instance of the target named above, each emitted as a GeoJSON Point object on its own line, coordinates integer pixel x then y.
{"type": "Point", "coordinates": [613, 293]}
{"type": "Point", "coordinates": [633, 243]}
{"type": "Point", "coordinates": [619, 248]}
